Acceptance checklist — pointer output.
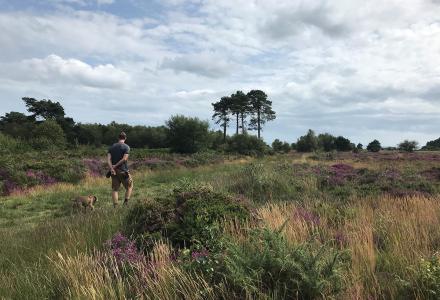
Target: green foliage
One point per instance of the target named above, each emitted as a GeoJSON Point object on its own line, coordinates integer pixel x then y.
{"type": "Point", "coordinates": [432, 145]}
{"type": "Point", "coordinates": [9, 145]}
{"type": "Point", "coordinates": [267, 262]}
{"type": "Point", "coordinates": [261, 110]}
{"type": "Point", "coordinates": [326, 142]}
{"type": "Point", "coordinates": [187, 135]}
{"type": "Point", "coordinates": [308, 142]}
{"type": "Point", "coordinates": [47, 135]}
{"type": "Point", "coordinates": [408, 146]}
{"type": "Point", "coordinates": [189, 215]}
{"type": "Point", "coordinates": [246, 144]}
{"type": "Point", "coordinates": [45, 109]}
{"type": "Point", "coordinates": [279, 146]}
{"type": "Point", "coordinates": [263, 183]}
{"type": "Point", "coordinates": [374, 146]}
{"type": "Point", "coordinates": [17, 125]}
{"type": "Point", "coordinates": [426, 280]}
{"type": "Point", "coordinates": [343, 144]}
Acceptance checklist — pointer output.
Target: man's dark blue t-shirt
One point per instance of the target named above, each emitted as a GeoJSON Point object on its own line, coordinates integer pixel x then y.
{"type": "Point", "coordinates": [117, 151]}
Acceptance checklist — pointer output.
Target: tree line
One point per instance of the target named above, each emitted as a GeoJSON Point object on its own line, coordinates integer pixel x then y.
{"type": "Point", "coordinates": [46, 125]}
{"type": "Point", "coordinates": [327, 142]}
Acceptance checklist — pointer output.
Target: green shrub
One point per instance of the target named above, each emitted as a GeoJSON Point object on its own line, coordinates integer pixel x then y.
{"type": "Point", "coordinates": [426, 282]}
{"type": "Point", "coordinates": [246, 144]}
{"type": "Point", "coordinates": [189, 215]}
{"type": "Point", "coordinates": [374, 146]}
{"type": "Point", "coordinates": [48, 135]}
{"type": "Point", "coordinates": [267, 262]}
{"type": "Point", "coordinates": [187, 135]}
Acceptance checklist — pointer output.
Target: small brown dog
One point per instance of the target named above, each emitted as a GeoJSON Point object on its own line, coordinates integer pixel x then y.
{"type": "Point", "coordinates": [84, 201]}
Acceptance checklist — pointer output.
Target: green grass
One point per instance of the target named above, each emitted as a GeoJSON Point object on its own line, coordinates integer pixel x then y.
{"type": "Point", "coordinates": [36, 225]}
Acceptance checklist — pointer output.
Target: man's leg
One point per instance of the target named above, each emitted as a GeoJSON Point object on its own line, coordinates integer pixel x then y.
{"type": "Point", "coordinates": [116, 183]}
{"type": "Point", "coordinates": [128, 189]}
{"type": "Point", "coordinates": [115, 198]}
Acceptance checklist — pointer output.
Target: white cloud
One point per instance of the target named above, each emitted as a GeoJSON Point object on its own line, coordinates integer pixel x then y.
{"type": "Point", "coordinates": [54, 69]}
{"type": "Point", "coordinates": [356, 68]}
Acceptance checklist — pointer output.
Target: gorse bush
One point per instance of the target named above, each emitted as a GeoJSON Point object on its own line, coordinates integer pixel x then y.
{"type": "Point", "coordinates": [189, 215]}
{"type": "Point", "coordinates": [266, 262]}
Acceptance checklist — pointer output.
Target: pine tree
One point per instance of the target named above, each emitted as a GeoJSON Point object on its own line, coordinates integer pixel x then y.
{"type": "Point", "coordinates": [261, 110]}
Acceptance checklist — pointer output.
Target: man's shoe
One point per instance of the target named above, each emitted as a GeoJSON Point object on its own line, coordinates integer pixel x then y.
{"type": "Point", "coordinates": [125, 201]}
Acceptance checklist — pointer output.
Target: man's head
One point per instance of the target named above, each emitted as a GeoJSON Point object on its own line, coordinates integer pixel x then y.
{"type": "Point", "coordinates": [122, 136]}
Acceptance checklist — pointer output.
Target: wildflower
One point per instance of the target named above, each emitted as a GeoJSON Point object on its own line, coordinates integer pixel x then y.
{"type": "Point", "coordinates": [307, 215]}
{"type": "Point", "coordinates": [123, 249]}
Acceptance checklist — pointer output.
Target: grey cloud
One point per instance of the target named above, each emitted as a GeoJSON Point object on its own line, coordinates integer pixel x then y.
{"type": "Point", "coordinates": [292, 21]}
{"type": "Point", "coordinates": [203, 64]}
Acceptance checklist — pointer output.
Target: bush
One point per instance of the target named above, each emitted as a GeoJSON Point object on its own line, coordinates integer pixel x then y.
{"type": "Point", "coordinates": [308, 142]}
{"type": "Point", "coordinates": [47, 135]}
{"type": "Point", "coordinates": [189, 215]}
{"type": "Point", "coordinates": [266, 262]}
{"type": "Point", "coordinates": [246, 144]}
{"type": "Point", "coordinates": [343, 144]}
{"type": "Point", "coordinates": [326, 142]}
{"type": "Point", "coordinates": [187, 135]}
{"type": "Point", "coordinates": [374, 146]}
{"type": "Point", "coordinates": [279, 146]}
{"type": "Point", "coordinates": [408, 146]}
{"type": "Point", "coordinates": [426, 283]}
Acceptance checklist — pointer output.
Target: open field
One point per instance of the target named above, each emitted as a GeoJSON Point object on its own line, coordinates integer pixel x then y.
{"type": "Point", "coordinates": [308, 226]}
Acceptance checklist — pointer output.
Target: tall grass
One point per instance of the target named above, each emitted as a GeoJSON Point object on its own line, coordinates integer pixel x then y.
{"type": "Point", "coordinates": [392, 241]}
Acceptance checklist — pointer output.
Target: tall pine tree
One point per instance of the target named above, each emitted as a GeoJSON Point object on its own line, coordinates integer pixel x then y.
{"type": "Point", "coordinates": [221, 113]}
{"type": "Point", "coordinates": [261, 109]}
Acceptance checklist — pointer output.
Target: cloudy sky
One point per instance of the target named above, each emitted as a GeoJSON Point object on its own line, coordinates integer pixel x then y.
{"type": "Point", "coordinates": [362, 69]}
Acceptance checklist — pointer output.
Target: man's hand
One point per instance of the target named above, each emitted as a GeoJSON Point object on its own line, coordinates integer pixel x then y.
{"type": "Point", "coordinates": [112, 170]}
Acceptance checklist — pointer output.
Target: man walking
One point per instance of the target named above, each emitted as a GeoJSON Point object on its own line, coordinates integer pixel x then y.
{"type": "Point", "coordinates": [117, 157]}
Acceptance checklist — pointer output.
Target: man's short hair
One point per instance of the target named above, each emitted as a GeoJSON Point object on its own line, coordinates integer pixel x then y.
{"type": "Point", "coordinates": [122, 136]}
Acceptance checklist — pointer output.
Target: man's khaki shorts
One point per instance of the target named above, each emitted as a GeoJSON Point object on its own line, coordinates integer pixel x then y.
{"type": "Point", "coordinates": [124, 178]}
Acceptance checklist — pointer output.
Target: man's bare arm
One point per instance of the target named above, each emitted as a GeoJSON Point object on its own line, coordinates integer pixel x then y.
{"type": "Point", "coordinates": [124, 159]}
{"type": "Point", "coordinates": [109, 163]}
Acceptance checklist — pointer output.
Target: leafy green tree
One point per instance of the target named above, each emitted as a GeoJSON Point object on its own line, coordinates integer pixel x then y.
{"type": "Point", "coordinates": [359, 146]}
{"type": "Point", "coordinates": [326, 142]}
{"type": "Point", "coordinates": [408, 146]}
{"type": "Point", "coordinates": [261, 110]}
{"type": "Point", "coordinates": [49, 134]}
{"type": "Point", "coordinates": [432, 145]}
{"type": "Point", "coordinates": [221, 113]}
{"type": "Point", "coordinates": [45, 109]}
{"type": "Point", "coordinates": [374, 146]}
{"type": "Point", "coordinates": [17, 125]}
{"type": "Point", "coordinates": [308, 142]}
{"type": "Point", "coordinates": [187, 135]}
{"type": "Point", "coordinates": [279, 146]}
{"type": "Point", "coordinates": [343, 144]}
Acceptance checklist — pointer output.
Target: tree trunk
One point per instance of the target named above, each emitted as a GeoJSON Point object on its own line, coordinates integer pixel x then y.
{"type": "Point", "coordinates": [224, 132]}
{"type": "Point", "coordinates": [237, 125]}
{"type": "Point", "coordinates": [258, 123]}
{"type": "Point", "coordinates": [242, 124]}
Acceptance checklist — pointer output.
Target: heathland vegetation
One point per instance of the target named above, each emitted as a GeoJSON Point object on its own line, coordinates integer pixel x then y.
{"type": "Point", "coordinates": [214, 216]}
